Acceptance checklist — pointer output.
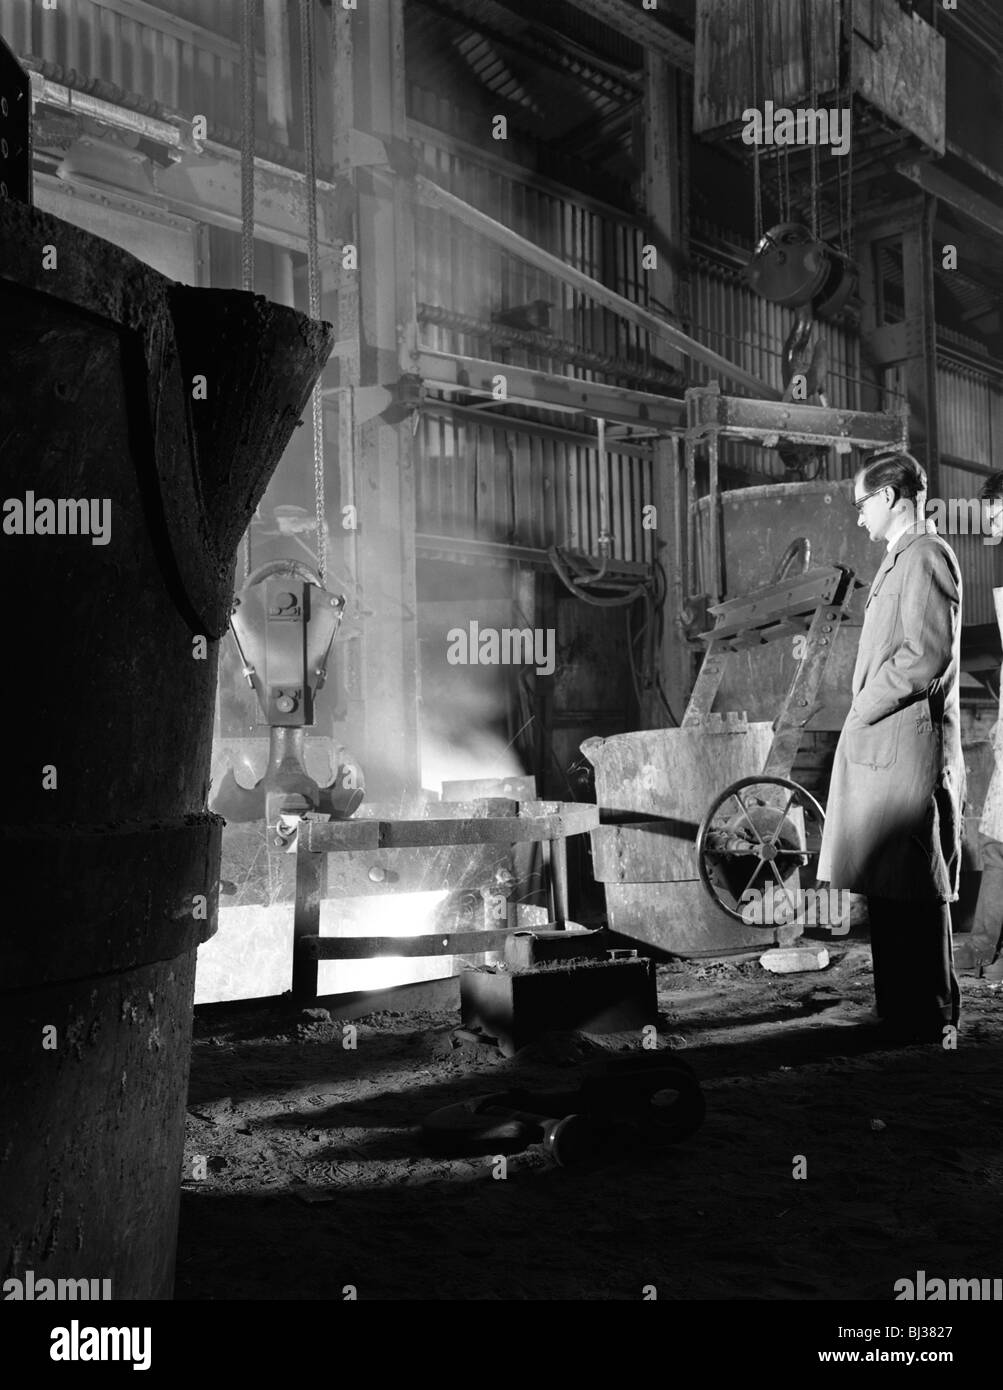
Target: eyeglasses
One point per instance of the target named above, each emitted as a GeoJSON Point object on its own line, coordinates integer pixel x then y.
{"type": "Point", "coordinates": [858, 502]}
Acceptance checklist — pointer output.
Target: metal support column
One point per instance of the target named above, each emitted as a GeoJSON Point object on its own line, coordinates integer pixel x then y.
{"type": "Point", "coordinates": [675, 661]}
{"type": "Point", "coordinates": [921, 365]}
{"type": "Point", "coordinates": [377, 340]}
{"type": "Point", "coordinates": [664, 200]}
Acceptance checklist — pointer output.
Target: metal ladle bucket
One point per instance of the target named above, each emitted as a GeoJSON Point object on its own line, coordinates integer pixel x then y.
{"type": "Point", "coordinates": [111, 655]}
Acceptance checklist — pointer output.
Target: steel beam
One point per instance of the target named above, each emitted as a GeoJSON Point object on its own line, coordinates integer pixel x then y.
{"type": "Point", "coordinates": [204, 182]}
{"type": "Point", "coordinates": [450, 410]}
{"type": "Point", "coordinates": [468, 943]}
{"type": "Point", "coordinates": [972, 205]}
{"type": "Point", "coordinates": [920, 367]}
{"type": "Point", "coordinates": [435, 196]}
{"type": "Point", "coordinates": [173, 135]}
{"type": "Point", "coordinates": [674, 657]}
{"type": "Point", "coordinates": [628, 18]}
{"type": "Point", "coordinates": [443, 371]}
{"type": "Point", "coordinates": [420, 133]}
{"type": "Point", "coordinates": [553, 821]}
{"type": "Point", "coordinates": [498, 552]}
{"type": "Point", "coordinates": [664, 145]}
{"type": "Point", "coordinates": [711, 413]}
{"type": "Point", "coordinates": [662, 182]}
{"type": "Point", "coordinates": [207, 188]}
{"type": "Point", "coordinates": [377, 333]}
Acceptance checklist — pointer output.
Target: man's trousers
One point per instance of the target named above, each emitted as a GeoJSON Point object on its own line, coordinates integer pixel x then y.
{"type": "Point", "coordinates": [915, 987]}
{"type": "Point", "coordinates": [987, 927]}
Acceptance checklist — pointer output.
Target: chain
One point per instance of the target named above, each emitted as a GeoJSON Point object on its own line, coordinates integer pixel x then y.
{"type": "Point", "coordinates": [248, 84]}
{"type": "Point", "coordinates": [313, 267]}
{"type": "Point", "coordinates": [757, 192]}
{"type": "Point", "coordinates": [809, 22]}
{"type": "Point", "coordinates": [850, 17]}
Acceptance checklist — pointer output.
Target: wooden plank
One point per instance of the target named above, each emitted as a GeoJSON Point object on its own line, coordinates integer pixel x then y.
{"type": "Point", "coordinates": [906, 76]}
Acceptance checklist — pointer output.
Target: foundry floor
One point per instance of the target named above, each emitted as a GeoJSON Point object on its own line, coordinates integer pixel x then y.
{"type": "Point", "coordinates": [316, 1181]}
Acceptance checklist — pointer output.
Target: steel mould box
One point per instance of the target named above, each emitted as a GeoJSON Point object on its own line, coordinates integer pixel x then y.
{"type": "Point", "coordinates": [518, 1006]}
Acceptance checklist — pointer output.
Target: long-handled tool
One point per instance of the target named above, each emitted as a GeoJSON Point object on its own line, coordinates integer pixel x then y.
{"type": "Point", "coordinates": [619, 1105]}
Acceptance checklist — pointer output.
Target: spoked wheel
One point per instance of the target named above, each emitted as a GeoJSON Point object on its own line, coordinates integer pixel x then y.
{"type": "Point", "coordinates": [753, 838]}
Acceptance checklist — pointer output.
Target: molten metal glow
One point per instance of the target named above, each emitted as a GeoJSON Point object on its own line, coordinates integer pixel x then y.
{"type": "Point", "coordinates": [473, 757]}
{"type": "Point", "coordinates": [390, 914]}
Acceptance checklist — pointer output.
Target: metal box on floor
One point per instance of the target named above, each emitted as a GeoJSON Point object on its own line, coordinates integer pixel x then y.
{"type": "Point", "coordinates": [518, 1006]}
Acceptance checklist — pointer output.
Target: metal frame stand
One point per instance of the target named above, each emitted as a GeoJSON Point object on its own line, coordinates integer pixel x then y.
{"type": "Point", "coordinates": [452, 823]}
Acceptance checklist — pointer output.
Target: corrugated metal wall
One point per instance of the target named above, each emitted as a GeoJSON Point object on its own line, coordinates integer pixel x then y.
{"type": "Point", "coordinates": [158, 56]}
{"type": "Point", "coordinates": [496, 483]}
{"type": "Point", "coordinates": [500, 484]}
{"type": "Point", "coordinates": [970, 405]}
{"type": "Point", "coordinates": [491, 481]}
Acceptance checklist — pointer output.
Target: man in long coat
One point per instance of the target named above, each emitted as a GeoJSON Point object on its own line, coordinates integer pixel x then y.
{"type": "Point", "coordinates": [894, 817]}
{"type": "Point", "coordinates": [987, 928]}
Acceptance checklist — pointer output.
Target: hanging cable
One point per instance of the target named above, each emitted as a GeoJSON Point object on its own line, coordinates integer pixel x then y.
{"type": "Point", "coordinates": [848, 5]}
{"type": "Point", "coordinates": [313, 266]}
{"type": "Point", "coordinates": [574, 585]}
{"type": "Point", "coordinates": [248, 90]}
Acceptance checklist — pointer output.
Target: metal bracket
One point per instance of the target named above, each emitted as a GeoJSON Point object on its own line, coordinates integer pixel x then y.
{"type": "Point", "coordinates": [393, 402]}
{"type": "Point", "coordinates": [358, 149]}
{"type": "Point", "coordinates": [895, 342]}
{"type": "Point", "coordinates": [811, 605]}
{"type": "Point", "coordinates": [140, 884]}
{"type": "Point", "coordinates": [15, 128]}
{"type": "Point", "coordinates": [709, 414]}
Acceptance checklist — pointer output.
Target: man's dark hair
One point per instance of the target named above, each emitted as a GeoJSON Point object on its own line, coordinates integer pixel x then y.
{"type": "Point", "coordinates": [890, 468]}
{"type": "Point", "coordinates": [992, 487]}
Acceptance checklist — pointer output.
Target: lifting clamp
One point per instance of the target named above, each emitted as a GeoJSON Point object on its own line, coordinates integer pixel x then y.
{"type": "Point", "coordinates": [284, 623]}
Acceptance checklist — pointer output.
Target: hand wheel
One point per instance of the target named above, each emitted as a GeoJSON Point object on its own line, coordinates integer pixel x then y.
{"type": "Point", "coordinates": [746, 843]}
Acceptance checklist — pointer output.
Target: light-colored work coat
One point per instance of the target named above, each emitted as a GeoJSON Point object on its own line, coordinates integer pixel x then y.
{"type": "Point", "coordinates": [894, 815]}
{"type": "Point", "coordinates": [992, 812]}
